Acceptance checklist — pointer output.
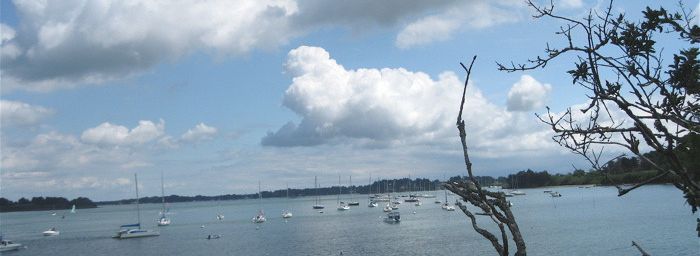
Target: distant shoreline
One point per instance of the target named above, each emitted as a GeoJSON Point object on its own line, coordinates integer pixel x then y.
{"type": "Point", "coordinates": [522, 180]}
{"type": "Point", "coordinates": [44, 209]}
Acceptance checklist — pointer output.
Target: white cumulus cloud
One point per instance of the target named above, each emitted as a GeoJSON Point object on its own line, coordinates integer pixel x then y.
{"type": "Point", "coordinates": [16, 113]}
{"type": "Point", "coordinates": [527, 94]}
{"type": "Point", "coordinates": [111, 134]}
{"type": "Point", "coordinates": [393, 106]}
{"type": "Point", "coordinates": [199, 132]}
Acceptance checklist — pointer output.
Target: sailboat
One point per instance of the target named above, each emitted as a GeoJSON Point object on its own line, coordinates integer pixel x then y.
{"type": "Point", "coordinates": [437, 201]}
{"type": "Point", "coordinates": [371, 203]}
{"type": "Point", "coordinates": [134, 230]}
{"type": "Point", "coordinates": [341, 205]}
{"type": "Point", "coordinates": [352, 198]}
{"type": "Point", "coordinates": [394, 204]}
{"type": "Point", "coordinates": [260, 217]}
{"type": "Point", "coordinates": [317, 204]}
{"type": "Point", "coordinates": [286, 213]}
{"type": "Point", "coordinates": [514, 191]}
{"type": "Point", "coordinates": [446, 206]}
{"type": "Point", "coordinates": [163, 221]}
{"type": "Point", "coordinates": [72, 210]}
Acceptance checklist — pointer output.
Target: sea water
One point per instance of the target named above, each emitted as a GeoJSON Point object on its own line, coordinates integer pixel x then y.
{"type": "Point", "coordinates": [584, 221]}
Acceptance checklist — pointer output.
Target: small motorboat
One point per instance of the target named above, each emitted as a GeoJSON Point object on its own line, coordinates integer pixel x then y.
{"type": "Point", "coordinates": [7, 245]}
{"type": "Point", "coordinates": [209, 237]}
{"type": "Point", "coordinates": [555, 194]}
{"type": "Point", "coordinates": [448, 207]}
{"type": "Point", "coordinates": [287, 214]}
{"type": "Point", "coordinates": [372, 204]}
{"type": "Point", "coordinates": [220, 217]}
{"type": "Point", "coordinates": [393, 217]}
{"type": "Point", "coordinates": [411, 199]}
{"type": "Point", "coordinates": [51, 232]}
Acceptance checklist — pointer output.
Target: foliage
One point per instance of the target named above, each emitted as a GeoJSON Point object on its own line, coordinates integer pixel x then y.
{"type": "Point", "coordinates": [44, 203]}
{"type": "Point", "coordinates": [635, 99]}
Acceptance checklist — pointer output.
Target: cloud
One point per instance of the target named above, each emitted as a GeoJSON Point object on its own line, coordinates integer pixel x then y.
{"type": "Point", "coordinates": [77, 43]}
{"type": "Point", "coordinates": [363, 14]}
{"type": "Point", "coordinates": [8, 49]}
{"type": "Point", "coordinates": [110, 134]}
{"type": "Point", "coordinates": [393, 107]}
{"type": "Point", "coordinates": [88, 42]}
{"type": "Point", "coordinates": [427, 30]}
{"type": "Point", "coordinates": [376, 104]}
{"type": "Point", "coordinates": [468, 14]}
{"type": "Point", "coordinates": [15, 113]}
{"type": "Point", "coordinates": [199, 132]}
{"type": "Point", "coordinates": [527, 94]}
{"type": "Point", "coordinates": [571, 4]}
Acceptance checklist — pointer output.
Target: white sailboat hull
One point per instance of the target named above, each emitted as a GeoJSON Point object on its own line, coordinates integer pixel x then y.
{"type": "Point", "coordinates": [136, 233]}
{"type": "Point", "coordinates": [51, 233]}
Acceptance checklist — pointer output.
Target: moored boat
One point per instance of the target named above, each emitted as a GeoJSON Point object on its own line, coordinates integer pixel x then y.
{"type": "Point", "coordinates": [7, 245]}
{"type": "Point", "coordinates": [135, 230]}
{"type": "Point", "coordinates": [51, 232]}
{"type": "Point", "coordinates": [393, 217]}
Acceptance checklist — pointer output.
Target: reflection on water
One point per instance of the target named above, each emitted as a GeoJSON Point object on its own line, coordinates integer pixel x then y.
{"type": "Point", "coordinates": [591, 221]}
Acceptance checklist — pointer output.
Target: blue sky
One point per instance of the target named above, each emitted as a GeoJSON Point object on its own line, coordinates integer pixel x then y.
{"type": "Point", "coordinates": [219, 95]}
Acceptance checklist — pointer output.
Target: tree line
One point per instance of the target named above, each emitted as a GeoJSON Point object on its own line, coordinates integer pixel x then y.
{"type": "Point", "coordinates": [44, 204]}
{"type": "Point", "coordinates": [383, 186]}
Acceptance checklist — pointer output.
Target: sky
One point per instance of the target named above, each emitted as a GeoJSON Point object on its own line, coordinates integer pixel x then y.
{"type": "Point", "coordinates": [218, 95]}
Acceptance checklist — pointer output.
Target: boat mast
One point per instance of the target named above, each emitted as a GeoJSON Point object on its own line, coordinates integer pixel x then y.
{"type": "Point", "coordinates": [369, 192]}
{"type": "Point", "coordinates": [162, 193]}
{"type": "Point", "coordinates": [138, 208]}
{"type": "Point", "coordinates": [316, 188]}
{"type": "Point", "coordinates": [446, 196]}
{"type": "Point", "coordinates": [259, 197]}
{"type": "Point", "coordinates": [352, 197]}
{"type": "Point", "coordinates": [339, 190]}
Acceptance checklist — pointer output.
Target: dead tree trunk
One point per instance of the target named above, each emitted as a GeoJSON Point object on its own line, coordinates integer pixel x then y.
{"type": "Point", "coordinates": [492, 204]}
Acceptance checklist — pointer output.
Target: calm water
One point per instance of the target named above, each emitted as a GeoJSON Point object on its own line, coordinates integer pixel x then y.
{"type": "Point", "coordinates": [583, 222]}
